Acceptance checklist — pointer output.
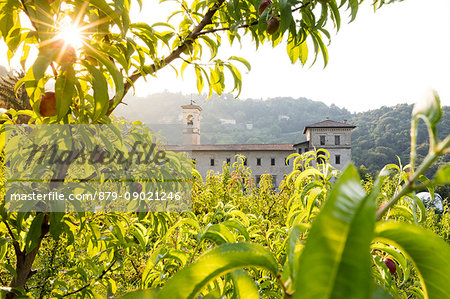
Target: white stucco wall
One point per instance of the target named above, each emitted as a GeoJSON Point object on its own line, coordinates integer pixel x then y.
{"type": "Point", "coordinates": [203, 162]}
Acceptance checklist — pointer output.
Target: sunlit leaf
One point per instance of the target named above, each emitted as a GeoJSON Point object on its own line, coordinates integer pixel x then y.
{"type": "Point", "coordinates": [34, 233]}
{"type": "Point", "coordinates": [187, 282]}
{"type": "Point", "coordinates": [64, 91]}
{"type": "Point", "coordinates": [244, 286]}
{"type": "Point", "coordinates": [335, 262]}
{"type": "Point", "coordinates": [100, 86]}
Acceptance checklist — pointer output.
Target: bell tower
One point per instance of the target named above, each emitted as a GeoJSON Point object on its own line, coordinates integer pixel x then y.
{"type": "Point", "coordinates": [191, 124]}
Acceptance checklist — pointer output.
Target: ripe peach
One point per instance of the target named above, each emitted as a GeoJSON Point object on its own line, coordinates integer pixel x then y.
{"type": "Point", "coordinates": [273, 25]}
{"type": "Point", "coordinates": [263, 6]}
{"type": "Point", "coordinates": [47, 107]}
{"type": "Point", "coordinates": [391, 265]}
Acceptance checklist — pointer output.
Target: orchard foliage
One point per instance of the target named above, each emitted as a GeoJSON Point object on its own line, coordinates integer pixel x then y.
{"type": "Point", "coordinates": [322, 234]}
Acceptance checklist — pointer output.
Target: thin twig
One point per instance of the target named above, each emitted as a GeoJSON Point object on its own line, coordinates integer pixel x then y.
{"type": "Point", "coordinates": [90, 283]}
{"type": "Point", "coordinates": [15, 243]}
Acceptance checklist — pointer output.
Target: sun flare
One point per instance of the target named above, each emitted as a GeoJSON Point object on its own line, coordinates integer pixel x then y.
{"type": "Point", "coordinates": [72, 35]}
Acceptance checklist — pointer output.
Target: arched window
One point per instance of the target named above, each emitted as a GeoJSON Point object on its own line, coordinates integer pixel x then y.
{"type": "Point", "coordinates": [190, 121]}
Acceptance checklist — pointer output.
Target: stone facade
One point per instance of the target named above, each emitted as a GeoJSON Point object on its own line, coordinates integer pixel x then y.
{"type": "Point", "coordinates": [333, 136]}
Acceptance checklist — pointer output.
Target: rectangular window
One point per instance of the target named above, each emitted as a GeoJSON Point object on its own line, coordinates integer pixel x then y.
{"type": "Point", "coordinates": [212, 162]}
{"type": "Point", "coordinates": [245, 161]}
{"type": "Point", "coordinates": [286, 162]}
{"type": "Point", "coordinates": [228, 161]}
{"type": "Point", "coordinates": [272, 161]}
{"type": "Point", "coordinates": [274, 181]}
{"type": "Point", "coordinates": [258, 161]}
{"type": "Point", "coordinates": [299, 150]}
{"type": "Point", "coordinates": [338, 159]}
{"type": "Point", "coordinates": [322, 139]}
{"type": "Point", "coordinates": [337, 140]}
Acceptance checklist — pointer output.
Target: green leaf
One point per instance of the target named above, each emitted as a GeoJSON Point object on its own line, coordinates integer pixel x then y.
{"type": "Point", "coordinates": [56, 227]}
{"type": "Point", "coordinates": [219, 234]}
{"type": "Point", "coordinates": [106, 9]}
{"type": "Point", "coordinates": [112, 69]}
{"type": "Point", "coordinates": [41, 16]}
{"type": "Point", "coordinates": [291, 243]}
{"type": "Point", "coordinates": [429, 253]}
{"type": "Point", "coordinates": [304, 174]}
{"type": "Point", "coordinates": [211, 44]}
{"type": "Point", "coordinates": [142, 294]}
{"type": "Point", "coordinates": [6, 19]}
{"type": "Point", "coordinates": [312, 195]}
{"type": "Point", "coordinates": [335, 14]}
{"type": "Point", "coordinates": [317, 37]}
{"type": "Point", "coordinates": [200, 82]}
{"type": "Point", "coordinates": [297, 51]}
{"type": "Point", "coordinates": [215, 80]}
{"type": "Point", "coordinates": [241, 60]}
{"type": "Point", "coordinates": [233, 223]}
{"type": "Point", "coordinates": [187, 282]}
{"type": "Point", "coordinates": [100, 86]}
{"type": "Point", "coordinates": [303, 52]}
{"type": "Point", "coordinates": [353, 5]}
{"type": "Point", "coordinates": [154, 259]}
{"type": "Point", "coordinates": [163, 24]}
{"type": "Point", "coordinates": [244, 286]}
{"type": "Point", "coordinates": [34, 233]}
{"type": "Point", "coordinates": [237, 78]}
{"type": "Point", "coordinates": [335, 262]}
{"type": "Point", "coordinates": [293, 51]}
{"type": "Point", "coordinates": [138, 233]}
{"type": "Point", "coordinates": [64, 90]}
{"type": "Point", "coordinates": [442, 176]}
{"type": "Point", "coordinates": [285, 15]}
{"type": "Point", "coordinates": [33, 77]}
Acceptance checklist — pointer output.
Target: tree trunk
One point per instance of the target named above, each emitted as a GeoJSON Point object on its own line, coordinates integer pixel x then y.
{"type": "Point", "coordinates": [25, 260]}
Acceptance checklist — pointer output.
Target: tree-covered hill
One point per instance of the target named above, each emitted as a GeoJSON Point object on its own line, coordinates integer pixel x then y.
{"type": "Point", "coordinates": [383, 134]}
{"type": "Point", "coordinates": [380, 135]}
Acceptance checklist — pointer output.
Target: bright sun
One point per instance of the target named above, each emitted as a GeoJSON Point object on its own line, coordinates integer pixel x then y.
{"type": "Point", "coordinates": [72, 35]}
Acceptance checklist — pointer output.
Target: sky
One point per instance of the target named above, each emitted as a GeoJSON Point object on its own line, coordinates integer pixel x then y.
{"type": "Point", "coordinates": [383, 58]}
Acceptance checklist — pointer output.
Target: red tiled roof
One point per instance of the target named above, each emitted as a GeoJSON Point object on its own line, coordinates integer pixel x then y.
{"type": "Point", "coordinates": [232, 147]}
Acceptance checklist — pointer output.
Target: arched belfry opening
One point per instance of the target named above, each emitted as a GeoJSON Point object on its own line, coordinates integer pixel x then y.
{"type": "Point", "coordinates": [190, 120]}
{"type": "Point", "coordinates": [191, 124]}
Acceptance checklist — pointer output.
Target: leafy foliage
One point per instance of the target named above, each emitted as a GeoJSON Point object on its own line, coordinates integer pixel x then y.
{"type": "Point", "coordinates": [241, 239]}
